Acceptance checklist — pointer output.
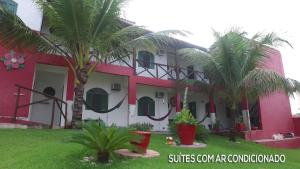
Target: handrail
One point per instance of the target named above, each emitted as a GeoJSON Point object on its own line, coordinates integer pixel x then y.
{"type": "Point", "coordinates": [55, 101]}
{"type": "Point", "coordinates": [169, 71]}
{"type": "Point", "coordinates": [143, 61]}
{"type": "Point", "coordinates": [52, 97]}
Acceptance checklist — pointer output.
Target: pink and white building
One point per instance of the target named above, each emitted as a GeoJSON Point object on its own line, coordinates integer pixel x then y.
{"type": "Point", "coordinates": [147, 79]}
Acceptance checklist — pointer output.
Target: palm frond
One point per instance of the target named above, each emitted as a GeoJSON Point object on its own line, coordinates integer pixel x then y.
{"type": "Point", "coordinates": [155, 40]}
{"type": "Point", "coordinates": [101, 138]}
{"type": "Point", "coordinates": [264, 82]}
{"type": "Point", "coordinates": [15, 34]}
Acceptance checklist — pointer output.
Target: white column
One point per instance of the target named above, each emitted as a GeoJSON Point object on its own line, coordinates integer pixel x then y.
{"type": "Point", "coordinates": [131, 114]}
{"type": "Point", "coordinates": [246, 119]}
{"type": "Point", "coordinates": [69, 114]}
{"type": "Point", "coordinates": [213, 118]}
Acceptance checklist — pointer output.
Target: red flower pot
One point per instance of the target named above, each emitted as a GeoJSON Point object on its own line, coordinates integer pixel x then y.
{"type": "Point", "coordinates": [141, 145]}
{"type": "Point", "coordinates": [240, 127]}
{"type": "Point", "coordinates": [186, 133]}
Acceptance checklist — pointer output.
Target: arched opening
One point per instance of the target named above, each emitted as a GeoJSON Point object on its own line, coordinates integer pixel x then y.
{"type": "Point", "coordinates": [146, 105]}
{"type": "Point", "coordinates": [97, 98]}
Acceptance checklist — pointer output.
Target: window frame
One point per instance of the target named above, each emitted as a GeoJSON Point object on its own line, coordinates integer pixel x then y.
{"type": "Point", "coordinates": [92, 101]}
{"type": "Point", "coordinates": [150, 102]}
{"type": "Point", "coordinates": [142, 62]}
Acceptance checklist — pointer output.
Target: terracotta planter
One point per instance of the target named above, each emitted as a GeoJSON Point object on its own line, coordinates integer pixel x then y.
{"type": "Point", "coordinates": [240, 127]}
{"type": "Point", "coordinates": [141, 145]}
{"type": "Point", "coordinates": [186, 133]}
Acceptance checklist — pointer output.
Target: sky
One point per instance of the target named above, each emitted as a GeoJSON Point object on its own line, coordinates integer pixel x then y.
{"type": "Point", "coordinates": [201, 16]}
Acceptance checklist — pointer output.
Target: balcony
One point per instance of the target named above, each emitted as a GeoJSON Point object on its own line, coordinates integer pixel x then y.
{"type": "Point", "coordinates": [166, 72]}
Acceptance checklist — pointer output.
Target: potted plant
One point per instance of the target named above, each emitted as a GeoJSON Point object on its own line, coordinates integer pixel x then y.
{"type": "Point", "coordinates": [240, 126]}
{"type": "Point", "coordinates": [186, 124]}
{"type": "Point", "coordinates": [144, 131]}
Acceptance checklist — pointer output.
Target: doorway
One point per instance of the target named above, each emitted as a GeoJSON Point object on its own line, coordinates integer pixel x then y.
{"type": "Point", "coordinates": [50, 81]}
{"type": "Point", "coordinates": [193, 109]}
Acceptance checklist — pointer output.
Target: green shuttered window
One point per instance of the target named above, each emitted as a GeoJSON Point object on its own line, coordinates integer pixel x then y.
{"type": "Point", "coordinates": [146, 59]}
{"type": "Point", "coordinates": [97, 98]}
{"type": "Point", "coordinates": [146, 104]}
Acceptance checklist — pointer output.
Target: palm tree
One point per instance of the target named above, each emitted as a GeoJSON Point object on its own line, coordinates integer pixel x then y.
{"type": "Point", "coordinates": [235, 63]}
{"type": "Point", "coordinates": [85, 33]}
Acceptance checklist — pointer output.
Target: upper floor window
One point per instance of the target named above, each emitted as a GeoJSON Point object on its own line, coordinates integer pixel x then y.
{"type": "Point", "coordinates": [9, 5]}
{"type": "Point", "coordinates": [97, 98]}
{"type": "Point", "coordinates": [190, 72]}
{"type": "Point", "coordinates": [146, 105]}
{"type": "Point", "coordinates": [146, 59]}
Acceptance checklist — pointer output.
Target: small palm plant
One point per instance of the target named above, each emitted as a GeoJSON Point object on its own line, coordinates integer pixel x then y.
{"type": "Point", "coordinates": [104, 140]}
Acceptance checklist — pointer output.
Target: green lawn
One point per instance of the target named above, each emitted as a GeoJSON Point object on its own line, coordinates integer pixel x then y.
{"type": "Point", "coordinates": [48, 149]}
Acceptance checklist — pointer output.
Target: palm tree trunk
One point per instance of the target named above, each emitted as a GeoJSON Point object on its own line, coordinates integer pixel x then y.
{"type": "Point", "coordinates": [82, 78]}
{"type": "Point", "coordinates": [232, 133]}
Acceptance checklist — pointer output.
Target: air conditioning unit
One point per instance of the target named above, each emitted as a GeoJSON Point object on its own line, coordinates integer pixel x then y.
{"type": "Point", "coordinates": [159, 94]}
{"type": "Point", "coordinates": [116, 86]}
{"type": "Point", "coordinates": [161, 52]}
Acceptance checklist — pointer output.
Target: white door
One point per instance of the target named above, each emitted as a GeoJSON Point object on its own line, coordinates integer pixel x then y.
{"type": "Point", "coordinates": [52, 84]}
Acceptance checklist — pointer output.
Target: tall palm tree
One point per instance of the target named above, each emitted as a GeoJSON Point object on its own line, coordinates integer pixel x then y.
{"type": "Point", "coordinates": [235, 63]}
{"type": "Point", "coordinates": [85, 33]}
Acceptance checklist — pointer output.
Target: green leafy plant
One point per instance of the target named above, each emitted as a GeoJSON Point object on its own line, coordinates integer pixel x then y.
{"type": "Point", "coordinates": [216, 125]}
{"type": "Point", "coordinates": [172, 129]}
{"type": "Point", "coordinates": [237, 63]}
{"type": "Point", "coordinates": [185, 115]}
{"type": "Point", "coordinates": [141, 126]}
{"type": "Point", "coordinates": [201, 133]}
{"type": "Point", "coordinates": [104, 140]}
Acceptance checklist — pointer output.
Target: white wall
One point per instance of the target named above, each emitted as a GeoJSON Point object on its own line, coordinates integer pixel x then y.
{"type": "Point", "coordinates": [30, 14]}
{"type": "Point", "coordinates": [45, 72]}
{"type": "Point", "coordinates": [157, 59]}
{"type": "Point", "coordinates": [183, 63]}
{"type": "Point", "coordinates": [221, 114]}
{"type": "Point", "coordinates": [201, 99]}
{"type": "Point", "coordinates": [104, 81]}
{"type": "Point", "coordinates": [161, 106]}
{"type": "Point", "coordinates": [295, 104]}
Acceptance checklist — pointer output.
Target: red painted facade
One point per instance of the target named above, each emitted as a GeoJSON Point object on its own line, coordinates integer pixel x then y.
{"type": "Point", "coordinates": [25, 77]}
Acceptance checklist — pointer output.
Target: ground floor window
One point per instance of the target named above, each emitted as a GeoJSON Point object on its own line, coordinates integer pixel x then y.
{"type": "Point", "coordinates": [146, 105]}
{"type": "Point", "coordinates": [97, 98]}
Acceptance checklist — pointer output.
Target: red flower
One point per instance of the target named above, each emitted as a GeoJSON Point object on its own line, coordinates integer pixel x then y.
{"type": "Point", "coordinates": [11, 60]}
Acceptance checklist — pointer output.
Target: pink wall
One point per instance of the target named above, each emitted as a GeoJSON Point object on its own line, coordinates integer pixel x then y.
{"type": "Point", "coordinates": [25, 77]}
{"type": "Point", "coordinates": [276, 114]}
{"type": "Point", "coordinates": [297, 124]}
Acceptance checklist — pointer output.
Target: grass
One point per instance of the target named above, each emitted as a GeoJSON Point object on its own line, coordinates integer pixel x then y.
{"type": "Point", "coordinates": [49, 149]}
